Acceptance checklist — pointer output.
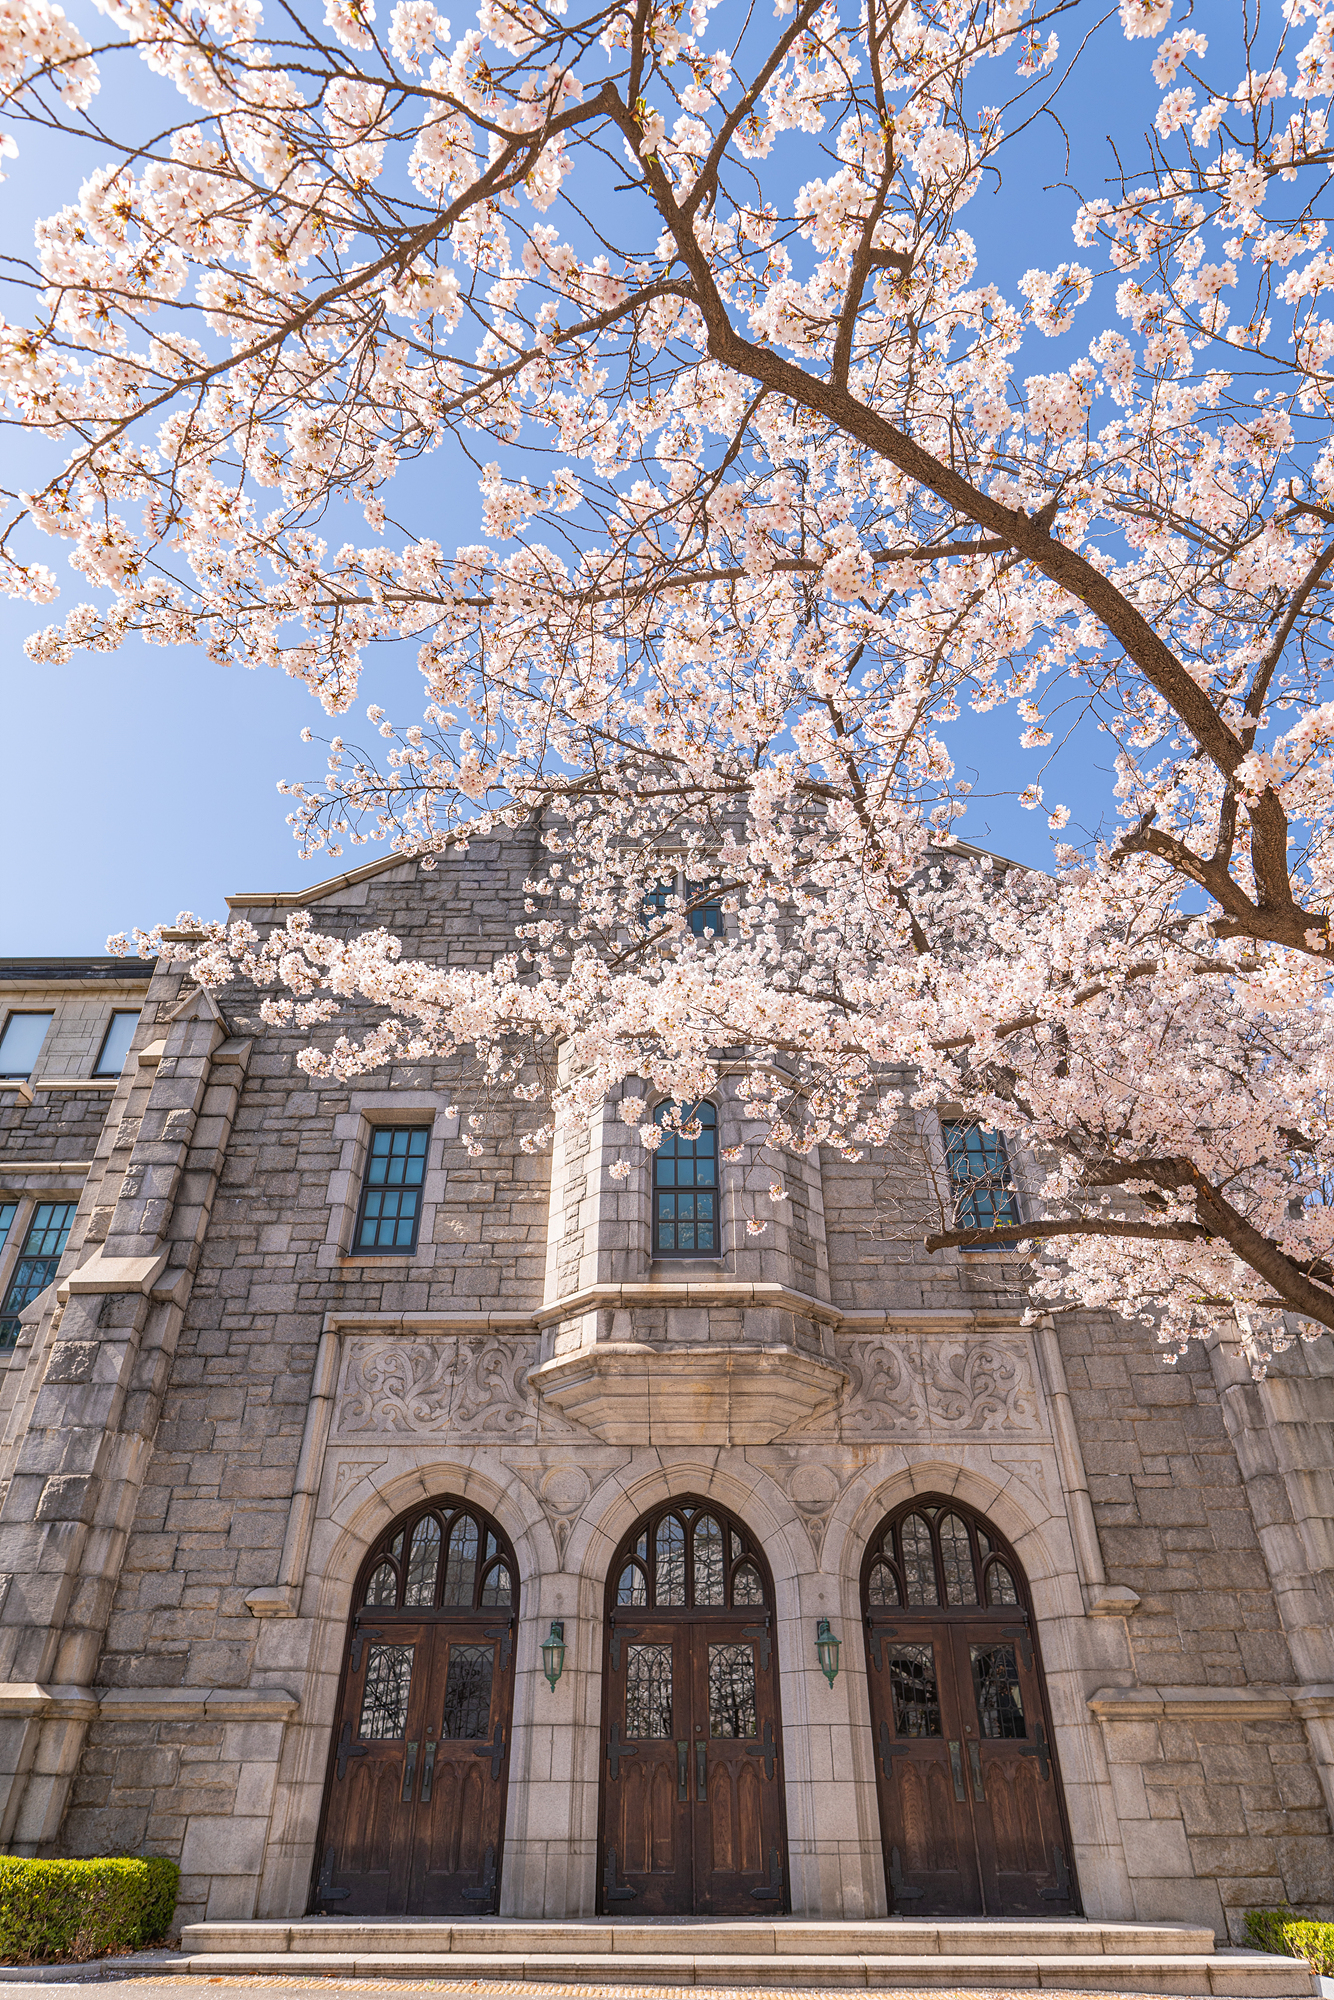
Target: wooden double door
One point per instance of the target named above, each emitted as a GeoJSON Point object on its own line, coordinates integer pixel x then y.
{"type": "Point", "coordinates": [414, 1816]}
{"type": "Point", "coordinates": [692, 1819]}
{"type": "Point", "coordinates": [970, 1802]}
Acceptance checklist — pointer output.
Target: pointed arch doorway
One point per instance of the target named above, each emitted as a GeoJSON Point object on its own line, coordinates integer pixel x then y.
{"type": "Point", "coordinates": [971, 1813]}
{"type": "Point", "coordinates": [691, 1817]}
{"type": "Point", "coordinates": [414, 1805]}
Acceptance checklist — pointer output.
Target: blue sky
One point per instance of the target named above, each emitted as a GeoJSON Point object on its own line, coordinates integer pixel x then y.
{"type": "Point", "coordinates": [143, 782]}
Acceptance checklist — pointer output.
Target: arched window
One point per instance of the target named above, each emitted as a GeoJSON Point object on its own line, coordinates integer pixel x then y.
{"type": "Point", "coordinates": [685, 1182]}
{"type": "Point", "coordinates": [445, 1556]}
{"type": "Point", "coordinates": [935, 1555]}
{"type": "Point", "coordinates": [689, 1555]}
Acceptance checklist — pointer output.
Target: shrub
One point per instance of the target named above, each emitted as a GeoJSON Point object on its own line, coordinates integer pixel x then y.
{"type": "Point", "coordinates": [1295, 1937]}
{"type": "Point", "coordinates": [82, 1909]}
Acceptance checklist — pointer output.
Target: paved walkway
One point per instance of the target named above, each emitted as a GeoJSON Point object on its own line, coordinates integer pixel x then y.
{"type": "Point", "coordinates": [130, 1986]}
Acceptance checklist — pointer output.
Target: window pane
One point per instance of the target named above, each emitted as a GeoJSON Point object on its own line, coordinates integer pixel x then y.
{"type": "Point", "coordinates": [21, 1043]}
{"type": "Point", "coordinates": [631, 1589]}
{"type": "Point", "coordinates": [392, 1193]}
{"type": "Point", "coordinates": [468, 1693]}
{"type": "Point", "coordinates": [883, 1587]}
{"type": "Point", "coordinates": [671, 1553]}
{"type": "Point", "coordinates": [37, 1264]}
{"type": "Point", "coordinates": [648, 1691]}
{"type": "Point", "coordinates": [732, 1691]}
{"type": "Point", "coordinates": [8, 1210]}
{"type": "Point", "coordinates": [919, 1564]}
{"type": "Point", "coordinates": [383, 1586]}
{"type": "Point", "coordinates": [423, 1562]}
{"type": "Point", "coordinates": [1000, 1704]}
{"type": "Point", "coordinates": [957, 1558]}
{"type": "Point", "coordinates": [685, 1174]}
{"type": "Point", "coordinates": [1000, 1585]}
{"type": "Point", "coordinates": [980, 1177]}
{"type": "Point", "coordinates": [916, 1697]}
{"type": "Point", "coordinates": [116, 1044]}
{"type": "Point", "coordinates": [708, 1561]}
{"type": "Point", "coordinates": [497, 1589]}
{"type": "Point", "coordinates": [746, 1585]}
{"type": "Point", "coordinates": [461, 1562]}
{"type": "Point", "coordinates": [384, 1701]}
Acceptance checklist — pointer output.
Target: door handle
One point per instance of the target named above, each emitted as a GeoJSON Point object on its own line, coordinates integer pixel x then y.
{"type": "Point", "coordinates": [975, 1759]}
{"type": "Point", "coordinates": [701, 1771]}
{"type": "Point", "coordinates": [428, 1766]}
{"type": "Point", "coordinates": [409, 1773]}
{"type": "Point", "coordinates": [956, 1770]}
{"type": "Point", "coordinates": [683, 1774]}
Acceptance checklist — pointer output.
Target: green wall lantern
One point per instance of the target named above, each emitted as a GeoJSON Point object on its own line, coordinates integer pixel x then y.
{"type": "Point", "coordinates": [826, 1651]}
{"type": "Point", "coordinates": [553, 1652]}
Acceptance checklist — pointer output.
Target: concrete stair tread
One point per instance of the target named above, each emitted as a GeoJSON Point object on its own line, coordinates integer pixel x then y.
{"type": "Point", "coordinates": [1242, 1975]}
{"type": "Point", "coordinates": [785, 1937]}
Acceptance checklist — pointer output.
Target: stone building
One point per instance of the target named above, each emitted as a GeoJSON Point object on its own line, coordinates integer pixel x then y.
{"type": "Point", "coordinates": [388, 1528]}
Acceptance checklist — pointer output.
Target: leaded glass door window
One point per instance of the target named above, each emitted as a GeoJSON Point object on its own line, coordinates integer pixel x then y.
{"type": "Point", "coordinates": [692, 1800]}
{"type": "Point", "coordinates": [971, 1813]}
{"type": "Point", "coordinates": [414, 1808]}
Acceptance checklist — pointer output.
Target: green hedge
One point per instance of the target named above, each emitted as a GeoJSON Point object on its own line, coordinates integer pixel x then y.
{"type": "Point", "coordinates": [77, 1910]}
{"type": "Point", "coordinates": [1295, 1937]}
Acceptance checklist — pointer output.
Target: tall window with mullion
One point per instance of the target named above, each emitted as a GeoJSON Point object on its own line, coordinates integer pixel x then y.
{"type": "Point", "coordinates": [699, 900]}
{"type": "Point", "coordinates": [389, 1214]}
{"type": "Point", "coordinates": [980, 1177]}
{"type": "Point", "coordinates": [685, 1183]}
{"type": "Point", "coordinates": [37, 1263]}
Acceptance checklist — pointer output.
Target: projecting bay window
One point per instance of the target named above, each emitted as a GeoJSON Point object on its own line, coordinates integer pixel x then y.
{"type": "Point", "coordinates": [37, 1263]}
{"type": "Point", "coordinates": [389, 1212]}
{"type": "Point", "coordinates": [980, 1178]}
{"type": "Point", "coordinates": [685, 1184]}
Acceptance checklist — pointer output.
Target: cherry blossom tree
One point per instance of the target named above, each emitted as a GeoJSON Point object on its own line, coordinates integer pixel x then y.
{"type": "Point", "coordinates": [775, 484]}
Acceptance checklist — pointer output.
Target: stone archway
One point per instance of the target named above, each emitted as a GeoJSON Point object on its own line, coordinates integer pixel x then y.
{"type": "Point", "coordinates": [414, 1806]}
{"type": "Point", "coordinates": [972, 1817]}
{"type": "Point", "coordinates": [691, 1812]}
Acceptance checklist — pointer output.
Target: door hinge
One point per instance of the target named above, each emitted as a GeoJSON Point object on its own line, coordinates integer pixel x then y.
{"type": "Point", "coordinates": [616, 1750]}
{"type": "Point", "coordinates": [612, 1892]}
{"type": "Point", "coordinates": [325, 1892]}
{"type": "Point", "coordinates": [773, 1889]}
{"type": "Point", "coordinates": [768, 1750]}
{"type": "Point", "coordinates": [760, 1632]}
{"type": "Point", "coordinates": [347, 1748]}
{"type": "Point", "coordinates": [485, 1892]}
{"type": "Point", "coordinates": [1061, 1893]}
{"type": "Point", "coordinates": [494, 1750]}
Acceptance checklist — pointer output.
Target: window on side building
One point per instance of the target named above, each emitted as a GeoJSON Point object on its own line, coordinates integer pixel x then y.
{"type": "Point", "coordinates": [21, 1043]}
{"type": "Point", "coordinates": [116, 1043]}
{"type": "Point", "coordinates": [389, 1213]}
{"type": "Point", "coordinates": [980, 1177]}
{"type": "Point", "coordinates": [699, 900]}
{"type": "Point", "coordinates": [685, 1184]}
{"type": "Point", "coordinates": [37, 1262]}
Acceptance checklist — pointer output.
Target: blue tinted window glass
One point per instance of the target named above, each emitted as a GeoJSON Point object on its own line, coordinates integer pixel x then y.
{"type": "Point", "coordinates": [37, 1263]}
{"type": "Point", "coordinates": [980, 1178]}
{"type": "Point", "coordinates": [116, 1044]}
{"type": "Point", "coordinates": [21, 1043]}
{"type": "Point", "coordinates": [685, 1172]}
{"type": "Point", "coordinates": [391, 1196]}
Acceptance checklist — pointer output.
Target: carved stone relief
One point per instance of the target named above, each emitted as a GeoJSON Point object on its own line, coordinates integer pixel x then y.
{"type": "Point", "coordinates": [437, 1387]}
{"type": "Point", "coordinates": [349, 1473]}
{"type": "Point", "coordinates": [938, 1385]}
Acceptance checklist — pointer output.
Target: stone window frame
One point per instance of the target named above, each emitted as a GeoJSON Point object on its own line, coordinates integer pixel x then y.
{"type": "Point", "coordinates": [352, 1128]}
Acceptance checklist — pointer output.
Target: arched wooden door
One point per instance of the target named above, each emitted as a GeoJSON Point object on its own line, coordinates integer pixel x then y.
{"type": "Point", "coordinates": [692, 1820]}
{"type": "Point", "coordinates": [971, 1813]}
{"type": "Point", "coordinates": [414, 1813]}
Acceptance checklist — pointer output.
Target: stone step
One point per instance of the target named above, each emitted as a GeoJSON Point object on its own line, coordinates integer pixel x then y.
{"type": "Point", "coordinates": [788, 1938]}
{"type": "Point", "coordinates": [1237, 1975]}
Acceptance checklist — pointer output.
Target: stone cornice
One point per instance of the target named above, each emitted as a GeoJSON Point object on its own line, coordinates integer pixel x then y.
{"type": "Point", "coordinates": [722, 1294]}
{"type": "Point", "coordinates": [176, 1704]}
{"type": "Point", "coordinates": [1255, 1703]}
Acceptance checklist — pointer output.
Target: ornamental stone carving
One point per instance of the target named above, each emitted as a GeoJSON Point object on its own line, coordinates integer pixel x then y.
{"type": "Point", "coordinates": [437, 1387]}
{"type": "Point", "coordinates": [938, 1385]}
